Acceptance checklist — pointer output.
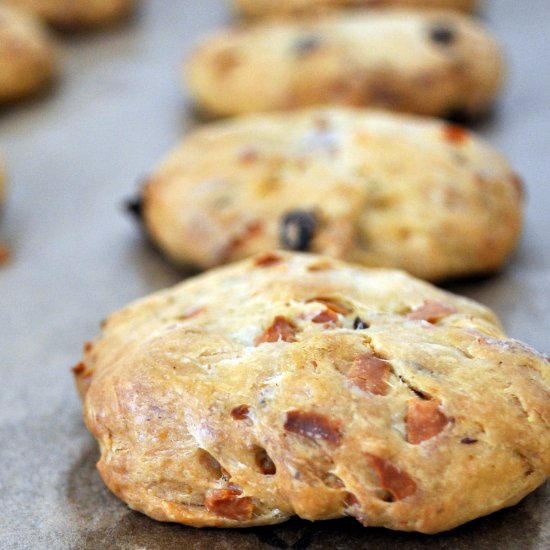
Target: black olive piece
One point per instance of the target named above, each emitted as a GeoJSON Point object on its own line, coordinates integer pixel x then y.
{"type": "Point", "coordinates": [443, 34]}
{"type": "Point", "coordinates": [468, 440]}
{"type": "Point", "coordinates": [297, 230]}
{"type": "Point", "coordinates": [135, 207]}
{"type": "Point", "coordinates": [306, 44]}
{"type": "Point", "coordinates": [359, 324]}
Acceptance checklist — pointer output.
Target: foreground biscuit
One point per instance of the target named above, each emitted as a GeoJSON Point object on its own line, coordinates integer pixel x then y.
{"type": "Point", "coordinates": [295, 384]}
{"type": "Point", "coordinates": [258, 8]}
{"type": "Point", "coordinates": [27, 55]}
{"type": "Point", "coordinates": [74, 14]}
{"type": "Point", "coordinates": [431, 63]}
{"type": "Point", "coordinates": [370, 187]}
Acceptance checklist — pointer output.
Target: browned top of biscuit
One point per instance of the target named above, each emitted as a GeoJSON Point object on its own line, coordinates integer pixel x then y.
{"type": "Point", "coordinates": [295, 384]}
{"type": "Point", "coordinates": [376, 188]}
{"type": "Point", "coordinates": [424, 62]}
{"type": "Point", "coordinates": [303, 7]}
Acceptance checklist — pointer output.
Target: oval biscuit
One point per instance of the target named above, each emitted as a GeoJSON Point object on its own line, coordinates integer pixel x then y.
{"type": "Point", "coordinates": [370, 187]}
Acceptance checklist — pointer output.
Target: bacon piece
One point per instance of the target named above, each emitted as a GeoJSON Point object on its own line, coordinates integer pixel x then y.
{"type": "Point", "coordinates": [313, 425]}
{"type": "Point", "coordinates": [398, 483]}
{"type": "Point", "coordinates": [369, 373]}
{"type": "Point", "coordinates": [280, 329]}
{"type": "Point", "coordinates": [264, 462]}
{"type": "Point", "coordinates": [424, 420]}
{"type": "Point", "coordinates": [326, 316]}
{"type": "Point", "coordinates": [267, 260]}
{"type": "Point", "coordinates": [332, 304]}
{"type": "Point", "coordinates": [240, 412]}
{"type": "Point", "coordinates": [431, 311]}
{"type": "Point", "coordinates": [79, 369]}
{"type": "Point", "coordinates": [455, 134]}
{"type": "Point", "coordinates": [228, 504]}
{"type": "Point", "coordinates": [191, 312]}
{"type": "Point", "coordinates": [4, 254]}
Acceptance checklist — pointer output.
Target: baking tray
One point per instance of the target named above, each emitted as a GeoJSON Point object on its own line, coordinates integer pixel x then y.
{"type": "Point", "coordinates": [73, 158]}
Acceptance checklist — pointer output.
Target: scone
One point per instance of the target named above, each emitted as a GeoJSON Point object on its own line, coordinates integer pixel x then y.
{"type": "Point", "coordinates": [259, 8]}
{"type": "Point", "coordinates": [376, 188]}
{"type": "Point", "coordinates": [294, 384]}
{"type": "Point", "coordinates": [27, 55]}
{"type": "Point", "coordinates": [75, 14]}
{"type": "Point", "coordinates": [432, 63]}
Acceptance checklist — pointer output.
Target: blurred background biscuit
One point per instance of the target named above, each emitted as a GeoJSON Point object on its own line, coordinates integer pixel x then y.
{"type": "Point", "coordinates": [430, 63]}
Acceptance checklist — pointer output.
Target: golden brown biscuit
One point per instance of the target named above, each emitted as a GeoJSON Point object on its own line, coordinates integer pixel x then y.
{"type": "Point", "coordinates": [27, 55]}
{"type": "Point", "coordinates": [74, 14]}
{"type": "Point", "coordinates": [431, 63]}
{"type": "Point", "coordinates": [295, 384]}
{"type": "Point", "coordinates": [259, 8]}
{"type": "Point", "coordinates": [375, 188]}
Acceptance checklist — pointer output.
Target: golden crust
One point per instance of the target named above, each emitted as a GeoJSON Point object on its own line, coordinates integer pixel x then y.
{"type": "Point", "coordinates": [202, 419]}
{"type": "Point", "coordinates": [429, 63]}
{"type": "Point", "coordinates": [75, 14]}
{"type": "Point", "coordinates": [386, 191]}
{"type": "Point", "coordinates": [259, 8]}
{"type": "Point", "coordinates": [27, 55]}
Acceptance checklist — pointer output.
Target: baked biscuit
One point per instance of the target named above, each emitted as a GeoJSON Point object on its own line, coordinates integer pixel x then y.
{"type": "Point", "coordinates": [27, 55]}
{"type": "Point", "coordinates": [75, 14]}
{"type": "Point", "coordinates": [431, 63]}
{"type": "Point", "coordinates": [294, 384]}
{"type": "Point", "coordinates": [376, 188]}
{"type": "Point", "coordinates": [259, 8]}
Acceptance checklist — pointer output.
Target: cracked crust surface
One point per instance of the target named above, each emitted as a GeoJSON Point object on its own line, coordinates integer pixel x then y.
{"type": "Point", "coordinates": [375, 188]}
{"type": "Point", "coordinates": [431, 63]}
{"type": "Point", "coordinates": [295, 384]}
{"type": "Point", "coordinates": [74, 14]}
{"type": "Point", "coordinates": [27, 55]}
{"type": "Point", "coordinates": [259, 8]}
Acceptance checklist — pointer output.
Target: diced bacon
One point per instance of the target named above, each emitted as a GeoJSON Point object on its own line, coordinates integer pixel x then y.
{"type": "Point", "coordinates": [424, 420]}
{"type": "Point", "coordinates": [369, 373]}
{"type": "Point", "coordinates": [240, 412]}
{"type": "Point", "coordinates": [264, 462]}
{"type": "Point", "coordinates": [455, 134]}
{"type": "Point", "coordinates": [280, 329]}
{"type": "Point", "coordinates": [313, 425]}
{"type": "Point", "coordinates": [228, 504]}
{"type": "Point", "coordinates": [267, 260]}
{"type": "Point", "coordinates": [332, 304]}
{"type": "Point", "coordinates": [397, 482]}
{"type": "Point", "coordinates": [326, 316]}
{"type": "Point", "coordinates": [431, 311]}
{"type": "Point", "coordinates": [79, 369]}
